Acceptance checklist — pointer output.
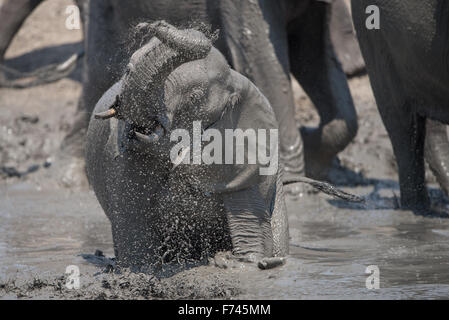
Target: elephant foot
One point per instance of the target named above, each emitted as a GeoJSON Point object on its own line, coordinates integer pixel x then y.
{"type": "Point", "coordinates": [420, 206]}
{"type": "Point", "coordinates": [270, 263]}
{"type": "Point", "coordinates": [318, 160]}
{"type": "Point", "coordinates": [292, 159]}
{"type": "Point", "coordinates": [318, 166]}
{"type": "Point", "coordinates": [226, 260]}
{"type": "Point", "coordinates": [415, 198]}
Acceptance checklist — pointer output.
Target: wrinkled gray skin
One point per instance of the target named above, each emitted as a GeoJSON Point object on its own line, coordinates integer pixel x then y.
{"type": "Point", "coordinates": [14, 12]}
{"type": "Point", "coordinates": [265, 40]}
{"type": "Point", "coordinates": [344, 39]}
{"type": "Point", "coordinates": [408, 63]}
{"type": "Point", "coordinates": [159, 214]}
{"type": "Point", "coordinates": [279, 27]}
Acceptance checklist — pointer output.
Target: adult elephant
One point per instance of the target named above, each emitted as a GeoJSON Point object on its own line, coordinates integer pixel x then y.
{"type": "Point", "coordinates": [407, 59]}
{"type": "Point", "coordinates": [265, 40]}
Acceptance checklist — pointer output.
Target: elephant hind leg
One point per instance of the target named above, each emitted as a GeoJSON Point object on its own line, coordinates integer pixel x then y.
{"type": "Point", "coordinates": [407, 137]}
{"type": "Point", "coordinates": [258, 48]}
{"type": "Point", "coordinates": [315, 66]}
{"type": "Point", "coordinates": [437, 152]}
{"type": "Point", "coordinates": [397, 106]}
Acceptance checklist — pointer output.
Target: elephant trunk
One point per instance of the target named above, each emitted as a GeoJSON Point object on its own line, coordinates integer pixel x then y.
{"type": "Point", "coordinates": [176, 48]}
{"type": "Point", "coordinates": [191, 43]}
{"type": "Point", "coordinates": [149, 68]}
{"type": "Point", "coordinates": [437, 152]}
{"type": "Point", "coordinates": [151, 65]}
{"type": "Point", "coordinates": [337, 129]}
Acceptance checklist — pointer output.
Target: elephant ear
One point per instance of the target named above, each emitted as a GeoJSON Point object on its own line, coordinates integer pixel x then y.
{"type": "Point", "coordinates": [247, 109]}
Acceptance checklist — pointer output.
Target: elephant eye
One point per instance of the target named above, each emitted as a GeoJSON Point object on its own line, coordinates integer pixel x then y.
{"type": "Point", "coordinates": [195, 95]}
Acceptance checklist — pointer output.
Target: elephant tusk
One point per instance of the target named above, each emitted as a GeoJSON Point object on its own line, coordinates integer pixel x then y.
{"type": "Point", "coordinates": [106, 114]}
{"type": "Point", "coordinates": [153, 137]}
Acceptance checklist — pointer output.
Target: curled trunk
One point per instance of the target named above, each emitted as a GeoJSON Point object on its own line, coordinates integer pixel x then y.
{"type": "Point", "coordinates": [152, 64]}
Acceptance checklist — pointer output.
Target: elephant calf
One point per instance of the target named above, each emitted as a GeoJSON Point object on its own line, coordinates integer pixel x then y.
{"type": "Point", "coordinates": [166, 210]}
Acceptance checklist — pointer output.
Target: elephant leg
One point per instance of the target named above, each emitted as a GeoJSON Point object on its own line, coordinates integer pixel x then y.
{"type": "Point", "coordinates": [407, 134]}
{"type": "Point", "coordinates": [405, 128]}
{"type": "Point", "coordinates": [249, 224]}
{"type": "Point", "coordinates": [344, 39]}
{"type": "Point", "coordinates": [12, 15]}
{"type": "Point", "coordinates": [102, 66]}
{"type": "Point", "coordinates": [315, 66]}
{"type": "Point", "coordinates": [437, 152]}
{"type": "Point", "coordinates": [256, 40]}
{"type": "Point", "coordinates": [279, 222]}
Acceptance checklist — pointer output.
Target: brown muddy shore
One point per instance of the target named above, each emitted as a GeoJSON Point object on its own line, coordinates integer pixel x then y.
{"type": "Point", "coordinates": [49, 220]}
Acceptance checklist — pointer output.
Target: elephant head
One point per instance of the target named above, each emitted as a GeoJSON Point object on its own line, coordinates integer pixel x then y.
{"type": "Point", "coordinates": [165, 78]}
{"type": "Point", "coordinates": [178, 78]}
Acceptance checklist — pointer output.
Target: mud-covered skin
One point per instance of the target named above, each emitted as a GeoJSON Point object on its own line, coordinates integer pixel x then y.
{"type": "Point", "coordinates": [252, 20]}
{"type": "Point", "coordinates": [408, 63]}
{"type": "Point", "coordinates": [263, 40]}
{"type": "Point", "coordinates": [344, 39]}
{"type": "Point", "coordinates": [161, 214]}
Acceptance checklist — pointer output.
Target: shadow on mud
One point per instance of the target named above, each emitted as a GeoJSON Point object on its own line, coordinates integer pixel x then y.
{"type": "Point", "coordinates": [375, 200]}
{"type": "Point", "coordinates": [43, 57]}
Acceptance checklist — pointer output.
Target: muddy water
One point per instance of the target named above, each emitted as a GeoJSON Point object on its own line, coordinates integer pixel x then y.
{"type": "Point", "coordinates": [42, 232]}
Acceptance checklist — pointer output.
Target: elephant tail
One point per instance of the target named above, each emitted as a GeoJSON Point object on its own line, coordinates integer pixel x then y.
{"type": "Point", "coordinates": [40, 76]}
{"type": "Point", "coordinates": [326, 188]}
